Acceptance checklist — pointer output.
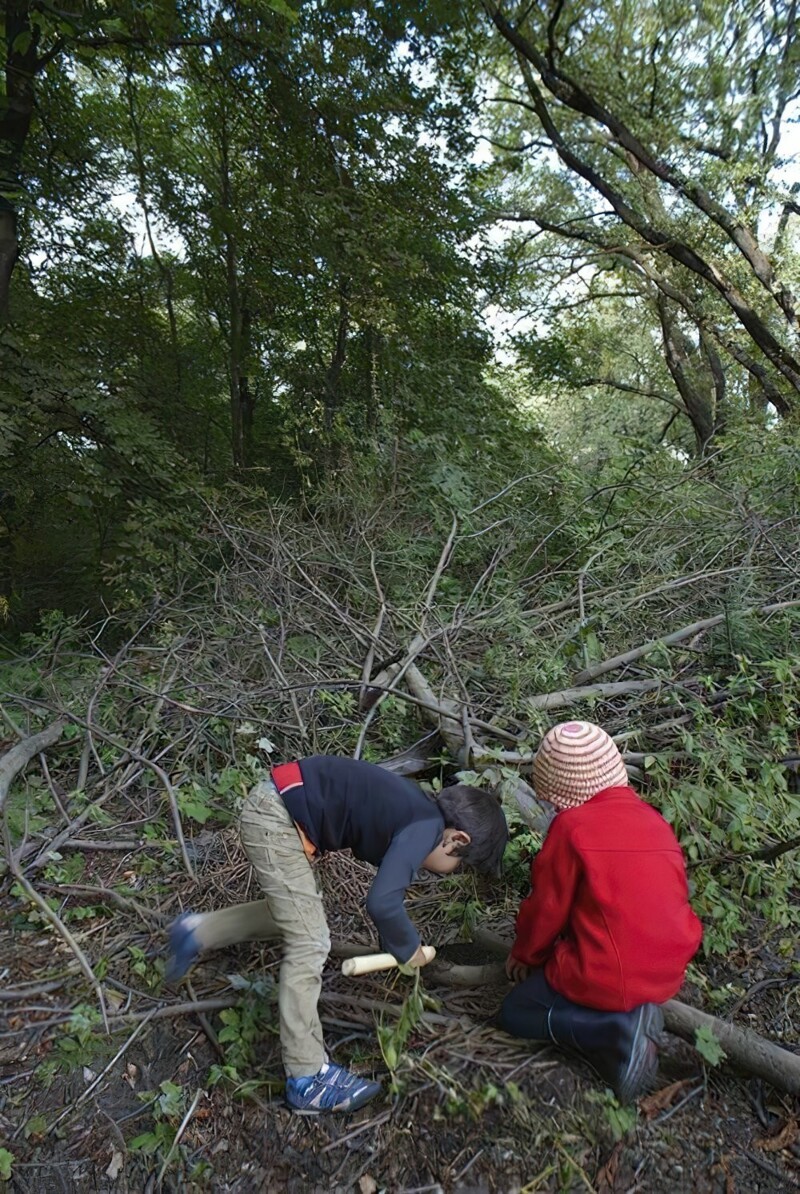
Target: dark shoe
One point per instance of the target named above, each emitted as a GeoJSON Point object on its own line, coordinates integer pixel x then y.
{"type": "Point", "coordinates": [332, 1089]}
{"type": "Point", "coordinates": [620, 1046]}
{"type": "Point", "coordinates": [184, 948]}
{"type": "Point", "coordinates": [639, 1075]}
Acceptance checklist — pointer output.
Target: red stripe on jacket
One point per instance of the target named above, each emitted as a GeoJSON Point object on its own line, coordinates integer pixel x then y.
{"type": "Point", "coordinates": [286, 776]}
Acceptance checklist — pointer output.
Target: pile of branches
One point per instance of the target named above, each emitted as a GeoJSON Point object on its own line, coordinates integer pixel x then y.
{"type": "Point", "coordinates": [308, 632]}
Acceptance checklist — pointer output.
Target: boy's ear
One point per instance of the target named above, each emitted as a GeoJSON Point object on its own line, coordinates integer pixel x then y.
{"type": "Point", "coordinates": [460, 837]}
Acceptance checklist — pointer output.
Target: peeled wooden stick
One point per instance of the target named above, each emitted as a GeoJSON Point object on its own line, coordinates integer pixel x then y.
{"type": "Point", "coordinates": [370, 963]}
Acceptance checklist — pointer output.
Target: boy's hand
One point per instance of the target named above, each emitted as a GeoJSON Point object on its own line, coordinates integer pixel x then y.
{"type": "Point", "coordinates": [516, 971]}
{"type": "Point", "coordinates": [419, 958]}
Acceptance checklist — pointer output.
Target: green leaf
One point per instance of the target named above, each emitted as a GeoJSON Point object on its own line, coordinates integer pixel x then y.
{"type": "Point", "coordinates": [621, 1120]}
{"type": "Point", "coordinates": [148, 1142]}
{"type": "Point", "coordinates": [6, 1162]}
{"type": "Point", "coordinates": [115, 25]}
{"type": "Point", "coordinates": [36, 1126]}
{"type": "Point", "coordinates": [304, 646]}
{"type": "Point", "coordinates": [283, 9]}
{"type": "Point", "coordinates": [708, 1046]}
{"type": "Point", "coordinates": [22, 42]}
{"type": "Point", "coordinates": [195, 810]}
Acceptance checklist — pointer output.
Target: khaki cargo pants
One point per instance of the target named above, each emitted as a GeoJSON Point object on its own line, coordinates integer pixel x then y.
{"type": "Point", "coordinates": [291, 909]}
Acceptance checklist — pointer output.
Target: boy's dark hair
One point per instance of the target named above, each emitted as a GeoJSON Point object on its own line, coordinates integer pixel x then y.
{"type": "Point", "coordinates": [479, 814]}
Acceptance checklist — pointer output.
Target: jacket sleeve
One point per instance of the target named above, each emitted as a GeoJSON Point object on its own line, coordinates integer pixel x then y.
{"type": "Point", "coordinates": [397, 872]}
{"type": "Point", "coordinates": [544, 914]}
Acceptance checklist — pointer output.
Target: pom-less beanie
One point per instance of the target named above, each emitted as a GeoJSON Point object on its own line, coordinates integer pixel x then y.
{"type": "Point", "coordinates": [575, 761]}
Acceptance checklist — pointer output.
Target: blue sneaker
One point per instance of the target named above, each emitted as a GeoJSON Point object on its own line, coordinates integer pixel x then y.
{"type": "Point", "coordinates": [184, 947]}
{"type": "Point", "coordinates": [332, 1089]}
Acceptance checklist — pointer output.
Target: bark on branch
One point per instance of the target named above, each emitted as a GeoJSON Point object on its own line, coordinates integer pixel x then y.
{"type": "Point", "coordinates": [677, 636]}
{"type": "Point", "coordinates": [14, 760]}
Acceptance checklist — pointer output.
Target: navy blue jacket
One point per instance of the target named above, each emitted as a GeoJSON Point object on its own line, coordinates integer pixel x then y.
{"type": "Point", "coordinates": [384, 819]}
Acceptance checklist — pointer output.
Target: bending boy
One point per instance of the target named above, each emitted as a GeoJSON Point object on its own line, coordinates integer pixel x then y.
{"type": "Point", "coordinates": [607, 931]}
{"type": "Point", "coordinates": [306, 809]}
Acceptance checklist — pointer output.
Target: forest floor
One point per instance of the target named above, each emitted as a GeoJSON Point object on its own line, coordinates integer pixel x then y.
{"type": "Point", "coordinates": [149, 1107]}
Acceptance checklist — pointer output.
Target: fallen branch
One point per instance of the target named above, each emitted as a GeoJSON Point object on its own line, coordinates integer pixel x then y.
{"type": "Point", "coordinates": [158, 771]}
{"type": "Point", "coordinates": [20, 755]}
{"type": "Point", "coordinates": [175, 1010]}
{"type": "Point", "coordinates": [80, 843]}
{"type": "Point", "coordinates": [677, 636]}
{"type": "Point", "coordinates": [197, 1006]}
{"type": "Point", "coordinates": [447, 720]}
{"type": "Point", "coordinates": [107, 895]}
{"type": "Point", "coordinates": [10, 766]}
{"type": "Point", "coordinates": [23, 993]}
{"type": "Point", "coordinates": [744, 1047]}
{"type": "Point", "coordinates": [395, 674]}
{"type": "Point", "coordinates": [765, 854]}
{"type": "Point", "coordinates": [369, 658]}
{"type": "Point", "coordinates": [570, 696]}
{"type": "Point", "coordinates": [53, 917]}
{"type": "Point", "coordinates": [43, 855]}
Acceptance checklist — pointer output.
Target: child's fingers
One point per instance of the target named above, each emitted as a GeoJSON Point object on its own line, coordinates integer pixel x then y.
{"type": "Point", "coordinates": [516, 971]}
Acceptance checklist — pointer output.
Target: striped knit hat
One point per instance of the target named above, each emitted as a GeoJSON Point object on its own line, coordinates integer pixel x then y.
{"type": "Point", "coordinates": [575, 761]}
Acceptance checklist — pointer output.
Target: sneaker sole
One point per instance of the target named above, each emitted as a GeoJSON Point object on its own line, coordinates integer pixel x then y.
{"type": "Point", "coordinates": [642, 1069]}
{"type": "Point", "coordinates": [354, 1105]}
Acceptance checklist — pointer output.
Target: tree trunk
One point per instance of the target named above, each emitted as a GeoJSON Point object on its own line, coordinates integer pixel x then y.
{"type": "Point", "coordinates": [16, 111]}
{"type": "Point", "coordinates": [694, 381]}
{"type": "Point", "coordinates": [164, 271]}
{"type": "Point", "coordinates": [247, 395]}
{"type": "Point", "coordinates": [236, 315]}
{"type": "Point", "coordinates": [334, 371]}
{"type": "Point", "coordinates": [9, 252]}
{"type": "Point", "coordinates": [743, 1047]}
{"type": "Point", "coordinates": [660, 238]}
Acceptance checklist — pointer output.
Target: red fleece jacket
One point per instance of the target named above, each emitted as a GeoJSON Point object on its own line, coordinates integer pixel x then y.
{"type": "Point", "coordinates": [608, 915]}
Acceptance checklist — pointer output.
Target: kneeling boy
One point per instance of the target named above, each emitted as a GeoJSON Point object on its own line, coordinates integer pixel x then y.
{"type": "Point", "coordinates": [306, 809]}
{"type": "Point", "coordinates": [607, 931]}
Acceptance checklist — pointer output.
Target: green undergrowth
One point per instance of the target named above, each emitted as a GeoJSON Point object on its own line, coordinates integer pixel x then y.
{"type": "Point", "coordinates": [730, 793]}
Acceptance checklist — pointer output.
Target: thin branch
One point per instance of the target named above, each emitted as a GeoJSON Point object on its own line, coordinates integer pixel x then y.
{"type": "Point", "coordinates": [54, 919]}
{"type": "Point", "coordinates": [158, 771]}
{"type": "Point", "coordinates": [677, 636]}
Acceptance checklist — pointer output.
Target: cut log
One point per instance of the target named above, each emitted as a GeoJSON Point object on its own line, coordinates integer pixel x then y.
{"type": "Point", "coordinates": [745, 1048]}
